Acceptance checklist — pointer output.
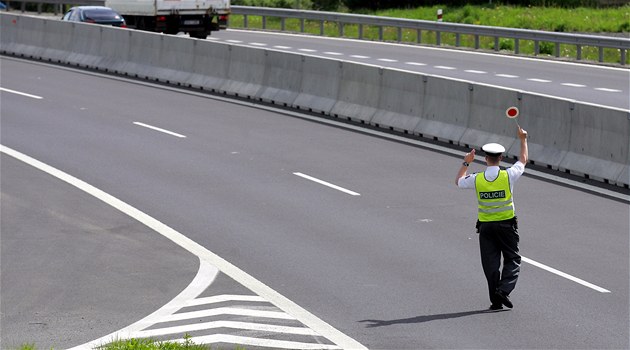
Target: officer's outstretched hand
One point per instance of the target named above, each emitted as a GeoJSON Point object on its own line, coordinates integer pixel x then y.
{"type": "Point", "coordinates": [470, 157]}
{"type": "Point", "coordinates": [522, 134]}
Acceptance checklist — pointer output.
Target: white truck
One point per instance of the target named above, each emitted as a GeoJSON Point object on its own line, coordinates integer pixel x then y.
{"type": "Point", "coordinates": [196, 17]}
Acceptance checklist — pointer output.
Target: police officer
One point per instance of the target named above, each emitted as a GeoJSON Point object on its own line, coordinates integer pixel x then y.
{"type": "Point", "coordinates": [496, 223]}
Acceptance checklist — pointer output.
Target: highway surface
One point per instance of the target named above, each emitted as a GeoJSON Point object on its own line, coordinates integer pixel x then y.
{"type": "Point", "coordinates": [368, 234]}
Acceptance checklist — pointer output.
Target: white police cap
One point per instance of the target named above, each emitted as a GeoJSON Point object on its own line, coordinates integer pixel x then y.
{"type": "Point", "coordinates": [493, 149]}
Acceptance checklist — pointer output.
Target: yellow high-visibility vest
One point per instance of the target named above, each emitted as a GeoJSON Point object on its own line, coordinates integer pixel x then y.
{"type": "Point", "coordinates": [494, 197]}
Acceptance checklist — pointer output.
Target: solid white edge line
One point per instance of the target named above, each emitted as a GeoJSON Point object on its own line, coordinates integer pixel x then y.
{"type": "Point", "coordinates": [240, 276]}
{"type": "Point", "coordinates": [159, 129]}
{"type": "Point", "coordinates": [565, 275]}
{"type": "Point", "coordinates": [322, 182]}
{"type": "Point", "coordinates": [21, 93]}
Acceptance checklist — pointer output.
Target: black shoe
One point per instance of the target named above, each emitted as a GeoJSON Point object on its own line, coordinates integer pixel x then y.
{"type": "Point", "coordinates": [495, 307]}
{"type": "Point", "coordinates": [503, 298]}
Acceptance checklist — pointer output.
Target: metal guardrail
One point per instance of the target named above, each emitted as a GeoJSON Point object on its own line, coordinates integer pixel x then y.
{"type": "Point", "coordinates": [580, 41]}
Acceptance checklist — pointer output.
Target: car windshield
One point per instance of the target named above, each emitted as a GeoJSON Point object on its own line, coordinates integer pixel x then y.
{"type": "Point", "coordinates": [101, 15]}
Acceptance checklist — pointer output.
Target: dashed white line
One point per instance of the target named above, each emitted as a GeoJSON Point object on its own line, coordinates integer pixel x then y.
{"type": "Point", "coordinates": [159, 129]}
{"type": "Point", "coordinates": [539, 80]}
{"type": "Point", "coordinates": [258, 44]}
{"type": "Point", "coordinates": [506, 76]}
{"type": "Point", "coordinates": [475, 71]}
{"type": "Point", "coordinates": [415, 64]}
{"type": "Point", "coordinates": [307, 50]}
{"type": "Point", "coordinates": [565, 275]}
{"type": "Point", "coordinates": [573, 85]}
{"type": "Point", "coordinates": [234, 41]}
{"type": "Point", "coordinates": [332, 53]}
{"type": "Point", "coordinates": [359, 56]}
{"type": "Point", "coordinates": [607, 90]}
{"type": "Point", "coordinates": [386, 60]}
{"type": "Point", "coordinates": [283, 47]}
{"type": "Point", "coordinates": [21, 93]}
{"type": "Point", "coordinates": [321, 182]}
{"type": "Point", "coordinates": [444, 67]}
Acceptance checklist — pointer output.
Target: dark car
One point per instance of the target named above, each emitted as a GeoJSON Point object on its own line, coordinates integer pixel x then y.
{"type": "Point", "coordinates": [95, 14]}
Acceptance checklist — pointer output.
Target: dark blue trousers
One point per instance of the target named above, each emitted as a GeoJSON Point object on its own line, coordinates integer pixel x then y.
{"type": "Point", "coordinates": [499, 240]}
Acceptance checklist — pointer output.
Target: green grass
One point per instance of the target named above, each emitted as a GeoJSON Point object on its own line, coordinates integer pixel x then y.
{"type": "Point", "coordinates": [145, 344]}
{"type": "Point", "coordinates": [580, 20]}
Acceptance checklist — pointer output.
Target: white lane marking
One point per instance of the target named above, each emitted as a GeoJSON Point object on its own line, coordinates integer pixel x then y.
{"type": "Point", "coordinates": [444, 67]}
{"type": "Point", "coordinates": [565, 275]}
{"type": "Point", "coordinates": [308, 319]}
{"type": "Point", "coordinates": [506, 76]}
{"type": "Point", "coordinates": [607, 90]}
{"type": "Point", "coordinates": [21, 93]}
{"type": "Point", "coordinates": [333, 53]}
{"type": "Point", "coordinates": [152, 333]}
{"type": "Point", "coordinates": [159, 129]}
{"type": "Point", "coordinates": [265, 343]}
{"type": "Point", "coordinates": [475, 71]}
{"type": "Point", "coordinates": [204, 278]}
{"type": "Point", "coordinates": [226, 311]}
{"type": "Point", "coordinates": [359, 56]}
{"type": "Point", "coordinates": [415, 64]}
{"type": "Point", "coordinates": [307, 50]}
{"type": "Point", "coordinates": [539, 80]}
{"type": "Point", "coordinates": [387, 60]}
{"type": "Point", "coordinates": [282, 47]}
{"type": "Point", "coordinates": [234, 41]}
{"type": "Point", "coordinates": [258, 44]}
{"type": "Point", "coordinates": [573, 85]}
{"type": "Point", "coordinates": [321, 182]}
{"type": "Point", "coordinates": [223, 298]}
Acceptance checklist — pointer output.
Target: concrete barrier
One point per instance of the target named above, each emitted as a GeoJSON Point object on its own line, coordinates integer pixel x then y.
{"type": "Point", "coordinates": [579, 138]}
{"type": "Point", "coordinates": [358, 92]}
{"type": "Point", "coordinates": [487, 121]}
{"type": "Point", "coordinates": [211, 65]}
{"type": "Point", "coordinates": [446, 109]}
{"type": "Point", "coordinates": [320, 85]}
{"type": "Point", "coordinates": [246, 72]}
{"type": "Point", "coordinates": [282, 79]}
{"type": "Point", "coordinates": [401, 98]}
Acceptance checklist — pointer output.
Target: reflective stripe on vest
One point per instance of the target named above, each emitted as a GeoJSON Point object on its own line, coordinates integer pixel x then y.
{"type": "Point", "coordinates": [494, 198]}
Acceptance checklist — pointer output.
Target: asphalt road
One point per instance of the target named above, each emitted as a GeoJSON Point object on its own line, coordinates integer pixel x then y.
{"type": "Point", "coordinates": [394, 267]}
{"type": "Point", "coordinates": [609, 86]}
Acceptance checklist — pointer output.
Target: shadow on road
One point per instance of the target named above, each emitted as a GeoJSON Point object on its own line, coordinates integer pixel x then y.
{"type": "Point", "coordinates": [427, 318]}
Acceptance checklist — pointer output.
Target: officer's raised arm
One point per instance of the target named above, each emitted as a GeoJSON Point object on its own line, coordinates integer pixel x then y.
{"type": "Point", "coordinates": [522, 135]}
{"type": "Point", "coordinates": [468, 158]}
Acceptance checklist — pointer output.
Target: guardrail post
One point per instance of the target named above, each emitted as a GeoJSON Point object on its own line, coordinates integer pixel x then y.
{"type": "Point", "coordinates": [476, 41]}
{"type": "Point", "coordinates": [578, 52]}
{"type": "Point", "coordinates": [245, 22]}
{"type": "Point", "coordinates": [360, 31]}
{"type": "Point", "coordinates": [302, 25]}
{"type": "Point", "coordinates": [380, 33]}
{"type": "Point", "coordinates": [282, 24]}
{"type": "Point", "coordinates": [496, 44]}
{"type": "Point", "coordinates": [557, 50]}
{"type": "Point", "coordinates": [399, 31]}
{"type": "Point", "coordinates": [623, 57]}
{"type": "Point", "coordinates": [536, 47]}
{"type": "Point", "coordinates": [601, 54]}
{"type": "Point", "coordinates": [419, 36]}
{"type": "Point", "coordinates": [264, 22]}
{"type": "Point", "coordinates": [517, 47]}
{"type": "Point", "coordinates": [438, 38]}
{"type": "Point", "coordinates": [321, 28]}
{"type": "Point", "coordinates": [457, 39]}
{"type": "Point", "coordinates": [341, 29]}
